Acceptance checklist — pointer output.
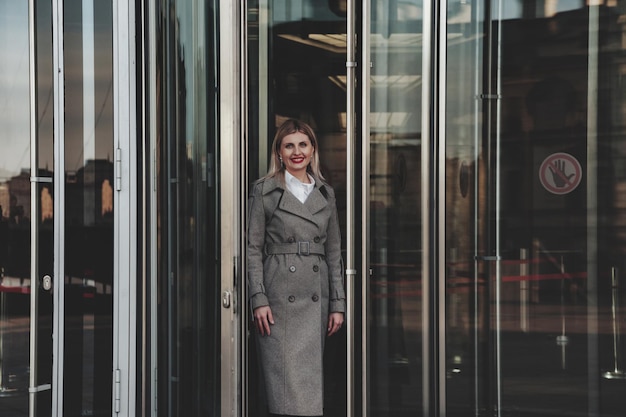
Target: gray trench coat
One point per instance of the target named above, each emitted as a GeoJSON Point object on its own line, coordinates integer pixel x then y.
{"type": "Point", "coordinates": [295, 267]}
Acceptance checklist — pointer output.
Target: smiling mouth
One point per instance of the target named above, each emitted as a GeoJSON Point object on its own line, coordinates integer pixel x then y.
{"type": "Point", "coordinates": [297, 160]}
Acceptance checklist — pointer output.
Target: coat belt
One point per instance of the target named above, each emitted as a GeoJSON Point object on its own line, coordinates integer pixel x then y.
{"type": "Point", "coordinates": [300, 248]}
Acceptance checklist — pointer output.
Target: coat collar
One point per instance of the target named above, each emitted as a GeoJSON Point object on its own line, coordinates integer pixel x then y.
{"type": "Point", "coordinates": [288, 202]}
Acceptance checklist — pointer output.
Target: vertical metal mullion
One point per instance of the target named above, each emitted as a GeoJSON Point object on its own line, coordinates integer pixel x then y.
{"type": "Point", "coordinates": [365, 198]}
{"type": "Point", "coordinates": [477, 15]}
{"type": "Point", "coordinates": [478, 119]}
{"type": "Point", "coordinates": [497, 183]}
{"type": "Point", "coordinates": [592, 211]}
{"type": "Point", "coordinates": [169, 195]}
{"type": "Point", "coordinates": [493, 19]}
{"type": "Point", "coordinates": [34, 214]}
{"type": "Point", "coordinates": [126, 207]}
{"type": "Point", "coordinates": [243, 191]}
{"type": "Point", "coordinates": [350, 193]}
{"type": "Point", "coordinates": [59, 208]}
{"type": "Point", "coordinates": [433, 207]}
{"type": "Point", "coordinates": [230, 204]}
{"type": "Point", "coordinates": [153, 202]}
{"type": "Point", "coordinates": [427, 128]}
{"type": "Point", "coordinates": [439, 170]}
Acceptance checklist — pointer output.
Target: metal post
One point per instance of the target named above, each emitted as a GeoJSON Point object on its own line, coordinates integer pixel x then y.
{"type": "Point", "coordinates": [350, 193]}
{"type": "Point", "coordinates": [616, 373]}
{"type": "Point", "coordinates": [34, 215]}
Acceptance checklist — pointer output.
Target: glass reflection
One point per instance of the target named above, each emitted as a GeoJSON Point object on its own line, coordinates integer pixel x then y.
{"type": "Point", "coordinates": [16, 222]}
{"type": "Point", "coordinates": [189, 297]}
{"type": "Point", "coordinates": [88, 343]}
{"type": "Point", "coordinates": [538, 332]}
{"type": "Point", "coordinates": [395, 304]}
{"type": "Point", "coordinates": [15, 209]}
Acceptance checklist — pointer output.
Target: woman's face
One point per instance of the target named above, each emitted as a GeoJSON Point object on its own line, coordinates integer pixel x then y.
{"type": "Point", "coordinates": [296, 151]}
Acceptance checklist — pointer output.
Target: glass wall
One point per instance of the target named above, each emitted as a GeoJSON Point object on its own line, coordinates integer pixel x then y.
{"type": "Point", "coordinates": [188, 301]}
{"type": "Point", "coordinates": [534, 213]}
{"type": "Point", "coordinates": [394, 305]}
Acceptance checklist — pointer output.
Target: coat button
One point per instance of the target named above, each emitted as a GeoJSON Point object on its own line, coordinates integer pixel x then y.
{"type": "Point", "coordinates": [291, 239]}
{"type": "Point", "coordinates": [315, 298]}
{"type": "Point", "coordinates": [292, 298]}
{"type": "Point", "coordinates": [316, 268]}
{"type": "Point", "coordinates": [316, 239]}
{"type": "Point", "coordinates": [292, 268]}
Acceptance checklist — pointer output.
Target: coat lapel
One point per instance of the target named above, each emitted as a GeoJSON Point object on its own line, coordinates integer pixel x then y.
{"type": "Point", "coordinates": [316, 201]}
{"type": "Point", "coordinates": [289, 203]}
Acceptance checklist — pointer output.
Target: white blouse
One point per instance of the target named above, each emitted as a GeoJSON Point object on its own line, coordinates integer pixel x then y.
{"type": "Point", "coordinates": [299, 189]}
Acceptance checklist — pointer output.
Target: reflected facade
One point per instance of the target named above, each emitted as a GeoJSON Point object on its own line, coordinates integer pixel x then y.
{"type": "Point", "coordinates": [15, 215]}
{"type": "Point", "coordinates": [188, 281]}
{"type": "Point", "coordinates": [534, 142]}
{"type": "Point", "coordinates": [489, 217]}
{"type": "Point", "coordinates": [41, 222]}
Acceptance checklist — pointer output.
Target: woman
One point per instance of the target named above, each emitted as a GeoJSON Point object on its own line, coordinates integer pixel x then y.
{"type": "Point", "coordinates": [295, 275]}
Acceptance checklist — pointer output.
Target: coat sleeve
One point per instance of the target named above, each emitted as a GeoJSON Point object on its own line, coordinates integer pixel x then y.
{"type": "Point", "coordinates": [334, 260]}
{"type": "Point", "coordinates": [256, 244]}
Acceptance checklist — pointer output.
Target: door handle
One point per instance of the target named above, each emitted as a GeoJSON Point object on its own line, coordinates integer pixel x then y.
{"type": "Point", "coordinates": [226, 299]}
{"type": "Point", "coordinates": [46, 282]}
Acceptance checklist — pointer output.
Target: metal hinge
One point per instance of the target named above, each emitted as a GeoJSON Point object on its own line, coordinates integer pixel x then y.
{"type": "Point", "coordinates": [210, 170]}
{"type": "Point", "coordinates": [118, 169]}
{"type": "Point", "coordinates": [117, 390]}
{"type": "Point", "coordinates": [156, 394]}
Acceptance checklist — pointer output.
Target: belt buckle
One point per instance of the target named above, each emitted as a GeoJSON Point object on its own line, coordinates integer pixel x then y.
{"type": "Point", "coordinates": [306, 245]}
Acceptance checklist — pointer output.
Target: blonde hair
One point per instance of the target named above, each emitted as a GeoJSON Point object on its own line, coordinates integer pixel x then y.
{"type": "Point", "coordinates": [290, 126]}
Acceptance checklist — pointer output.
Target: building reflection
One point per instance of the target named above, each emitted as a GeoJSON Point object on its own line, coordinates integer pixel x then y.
{"type": "Point", "coordinates": [88, 218]}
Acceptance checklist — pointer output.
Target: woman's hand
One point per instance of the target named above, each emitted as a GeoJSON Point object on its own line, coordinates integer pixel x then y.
{"type": "Point", "coordinates": [263, 318]}
{"type": "Point", "coordinates": [335, 320]}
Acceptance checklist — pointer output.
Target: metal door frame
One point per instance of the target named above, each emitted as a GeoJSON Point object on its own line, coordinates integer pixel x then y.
{"type": "Point", "coordinates": [432, 206]}
{"type": "Point", "coordinates": [231, 128]}
{"type": "Point", "coordinates": [125, 208]}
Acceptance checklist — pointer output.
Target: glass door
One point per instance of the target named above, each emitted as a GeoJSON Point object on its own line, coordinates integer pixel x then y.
{"type": "Point", "coordinates": [186, 307]}
{"type": "Point", "coordinates": [299, 66]}
{"type": "Point", "coordinates": [57, 199]}
{"type": "Point", "coordinates": [534, 233]}
{"type": "Point", "coordinates": [392, 290]}
{"type": "Point", "coordinates": [88, 192]}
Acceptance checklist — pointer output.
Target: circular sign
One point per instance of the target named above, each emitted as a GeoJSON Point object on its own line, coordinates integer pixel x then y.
{"type": "Point", "coordinates": [560, 173]}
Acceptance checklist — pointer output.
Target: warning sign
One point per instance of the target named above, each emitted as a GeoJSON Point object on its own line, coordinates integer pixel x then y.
{"type": "Point", "coordinates": [560, 173]}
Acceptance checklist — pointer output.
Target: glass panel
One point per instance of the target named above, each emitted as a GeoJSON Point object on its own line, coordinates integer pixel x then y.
{"type": "Point", "coordinates": [395, 304]}
{"type": "Point", "coordinates": [297, 69]}
{"type": "Point", "coordinates": [45, 196]}
{"type": "Point", "coordinates": [15, 203]}
{"type": "Point", "coordinates": [469, 194]}
{"type": "Point", "coordinates": [89, 198]}
{"type": "Point", "coordinates": [189, 300]}
{"type": "Point", "coordinates": [15, 209]}
{"type": "Point", "coordinates": [537, 333]}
